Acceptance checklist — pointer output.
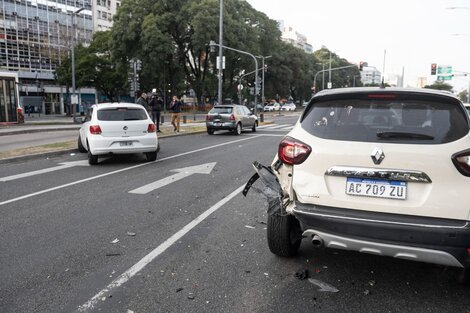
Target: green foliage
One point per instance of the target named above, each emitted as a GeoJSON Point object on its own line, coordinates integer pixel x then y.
{"type": "Point", "coordinates": [170, 38]}
{"type": "Point", "coordinates": [439, 85]}
{"type": "Point", "coordinates": [463, 96]}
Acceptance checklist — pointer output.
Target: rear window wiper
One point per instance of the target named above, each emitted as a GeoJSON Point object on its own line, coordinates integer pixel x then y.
{"type": "Point", "coordinates": [132, 119]}
{"type": "Point", "coordinates": [404, 135]}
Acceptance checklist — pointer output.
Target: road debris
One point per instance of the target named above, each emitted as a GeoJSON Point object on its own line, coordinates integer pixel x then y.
{"type": "Point", "coordinates": [191, 296]}
{"type": "Point", "coordinates": [130, 234]}
{"type": "Point", "coordinates": [179, 289]}
{"type": "Point", "coordinates": [302, 275]}
{"type": "Point", "coordinates": [115, 241]}
{"type": "Point", "coordinates": [324, 287]}
{"type": "Point", "coordinates": [113, 254]}
{"type": "Point", "coordinates": [250, 227]}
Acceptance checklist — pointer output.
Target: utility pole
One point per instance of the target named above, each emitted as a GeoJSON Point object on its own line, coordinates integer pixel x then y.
{"type": "Point", "coordinates": [221, 37]}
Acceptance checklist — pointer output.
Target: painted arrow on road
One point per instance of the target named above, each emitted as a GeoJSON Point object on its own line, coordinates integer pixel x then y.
{"type": "Point", "coordinates": [46, 170]}
{"type": "Point", "coordinates": [181, 173]}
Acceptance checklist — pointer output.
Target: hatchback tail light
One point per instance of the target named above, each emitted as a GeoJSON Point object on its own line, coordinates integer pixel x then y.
{"type": "Point", "coordinates": [292, 151]}
{"type": "Point", "coordinates": [152, 128]}
{"type": "Point", "coordinates": [208, 117]}
{"type": "Point", "coordinates": [95, 129]}
{"type": "Point", "coordinates": [461, 161]}
{"type": "Point", "coordinates": [232, 117]}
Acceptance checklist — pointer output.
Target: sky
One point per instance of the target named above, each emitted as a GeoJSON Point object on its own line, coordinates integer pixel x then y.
{"type": "Point", "coordinates": [390, 34]}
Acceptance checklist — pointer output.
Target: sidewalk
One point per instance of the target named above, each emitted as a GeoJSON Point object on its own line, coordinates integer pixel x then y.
{"type": "Point", "coordinates": [36, 124]}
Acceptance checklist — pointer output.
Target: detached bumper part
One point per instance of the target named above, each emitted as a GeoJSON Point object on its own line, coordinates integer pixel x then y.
{"type": "Point", "coordinates": [272, 189]}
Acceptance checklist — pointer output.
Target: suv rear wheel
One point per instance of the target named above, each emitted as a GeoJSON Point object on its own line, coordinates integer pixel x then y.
{"type": "Point", "coordinates": [151, 156]}
{"type": "Point", "coordinates": [284, 235]}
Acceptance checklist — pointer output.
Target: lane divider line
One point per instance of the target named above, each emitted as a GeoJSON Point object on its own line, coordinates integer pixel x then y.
{"type": "Point", "coordinates": [140, 265]}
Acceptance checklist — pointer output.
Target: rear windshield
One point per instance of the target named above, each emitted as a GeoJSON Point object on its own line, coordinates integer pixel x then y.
{"type": "Point", "coordinates": [404, 121]}
{"type": "Point", "coordinates": [121, 114]}
{"type": "Point", "coordinates": [221, 110]}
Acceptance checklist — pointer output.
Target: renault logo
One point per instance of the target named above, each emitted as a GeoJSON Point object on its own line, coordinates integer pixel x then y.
{"type": "Point", "coordinates": [377, 156]}
{"type": "Point", "coordinates": [125, 128]}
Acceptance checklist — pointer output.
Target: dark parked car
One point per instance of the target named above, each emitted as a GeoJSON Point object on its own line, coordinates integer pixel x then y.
{"type": "Point", "coordinates": [231, 117]}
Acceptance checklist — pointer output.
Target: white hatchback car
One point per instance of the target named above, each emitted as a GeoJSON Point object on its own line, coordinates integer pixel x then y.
{"type": "Point", "coordinates": [118, 128]}
{"type": "Point", "coordinates": [272, 107]}
{"type": "Point", "coordinates": [376, 170]}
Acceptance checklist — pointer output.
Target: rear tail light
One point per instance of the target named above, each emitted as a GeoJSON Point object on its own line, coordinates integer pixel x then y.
{"type": "Point", "coordinates": [461, 161]}
{"type": "Point", "coordinates": [232, 117]}
{"type": "Point", "coordinates": [152, 128]}
{"type": "Point", "coordinates": [293, 152]}
{"type": "Point", "coordinates": [208, 117]}
{"type": "Point", "coordinates": [95, 129]}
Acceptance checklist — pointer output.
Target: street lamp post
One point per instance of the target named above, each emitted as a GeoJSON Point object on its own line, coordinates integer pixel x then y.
{"type": "Point", "coordinates": [213, 44]}
{"type": "Point", "coordinates": [221, 37]}
{"type": "Point", "coordinates": [263, 69]}
{"type": "Point", "coordinates": [74, 105]}
{"type": "Point", "coordinates": [330, 70]}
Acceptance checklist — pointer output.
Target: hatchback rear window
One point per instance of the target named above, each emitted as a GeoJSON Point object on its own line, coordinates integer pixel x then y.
{"type": "Point", "coordinates": [221, 110]}
{"type": "Point", "coordinates": [387, 120]}
{"type": "Point", "coordinates": [121, 114]}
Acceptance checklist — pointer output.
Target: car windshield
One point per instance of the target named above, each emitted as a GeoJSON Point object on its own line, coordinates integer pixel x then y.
{"type": "Point", "coordinates": [221, 110]}
{"type": "Point", "coordinates": [121, 114]}
{"type": "Point", "coordinates": [411, 121]}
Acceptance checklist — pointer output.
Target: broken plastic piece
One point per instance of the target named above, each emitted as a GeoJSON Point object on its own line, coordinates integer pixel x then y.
{"type": "Point", "coordinates": [115, 241]}
{"type": "Point", "coordinates": [302, 275]}
{"type": "Point", "coordinates": [324, 287]}
{"type": "Point", "coordinates": [272, 189]}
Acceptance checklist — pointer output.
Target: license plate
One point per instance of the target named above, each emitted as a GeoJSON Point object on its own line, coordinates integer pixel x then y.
{"type": "Point", "coordinates": [379, 188]}
{"type": "Point", "coordinates": [217, 124]}
{"type": "Point", "coordinates": [125, 143]}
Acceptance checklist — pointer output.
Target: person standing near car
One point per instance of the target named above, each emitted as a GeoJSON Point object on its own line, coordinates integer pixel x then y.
{"type": "Point", "coordinates": [142, 100]}
{"type": "Point", "coordinates": [156, 105]}
{"type": "Point", "coordinates": [175, 107]}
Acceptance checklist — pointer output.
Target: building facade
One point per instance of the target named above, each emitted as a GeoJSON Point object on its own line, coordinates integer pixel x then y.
{"type": "Point", "coordinates": [371, 76]}
{"type": "Point", "coordinates": [296, 39]}
{"type": "Point", "coordinates": [37, 35]}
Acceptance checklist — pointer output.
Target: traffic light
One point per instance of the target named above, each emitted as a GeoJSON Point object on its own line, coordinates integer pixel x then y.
{"type": "Point", "coordinates": [433, 68]}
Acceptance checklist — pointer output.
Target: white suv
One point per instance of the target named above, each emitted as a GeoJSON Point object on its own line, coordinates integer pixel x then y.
{"type": "Point", "coordinates": [376, 170]}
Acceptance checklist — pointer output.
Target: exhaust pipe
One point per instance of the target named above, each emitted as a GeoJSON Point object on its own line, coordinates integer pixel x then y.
{"type": "Point", "coordinates": [317, 241]}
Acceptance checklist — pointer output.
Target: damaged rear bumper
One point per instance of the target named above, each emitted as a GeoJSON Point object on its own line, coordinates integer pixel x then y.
{"type": "Point", "coordinates": [432, 240]}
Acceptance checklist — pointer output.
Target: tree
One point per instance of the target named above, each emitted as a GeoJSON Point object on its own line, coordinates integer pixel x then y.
{"type": "Point", "coordinates": [97, 68]}
{"type": "Point", "coordinates": [463, 96]}
{"type": "Point", "coordinates": [439, 85]}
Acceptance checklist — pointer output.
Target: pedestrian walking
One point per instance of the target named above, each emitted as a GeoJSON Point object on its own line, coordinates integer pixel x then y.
{"type": "Point", "coordinates": [142, 100]}
{"type": "Point", "coordinates": [156, 104]}
{"type": "Point", "coordinates": [29, 109]}
{"type": "Point", "coordinates": [175, 107]}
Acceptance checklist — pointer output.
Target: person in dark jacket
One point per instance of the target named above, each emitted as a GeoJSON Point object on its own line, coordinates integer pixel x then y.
{"type": "Point", "coordinates": [156, 104]}
{"type": "Point", "coordinates": [142, 100]}
{"type": "Point", "coordinates": [175, 107]}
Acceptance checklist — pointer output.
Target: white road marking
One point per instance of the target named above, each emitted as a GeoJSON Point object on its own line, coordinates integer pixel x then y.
{"type": "Point", "coordinates": [181, 173]}
{"type": "Point", "coordinates": [46, 170]}
{"type": "Point", "coordinates": [280, 126]}
{"type": "Point", "coordinates": [127, 275]}
{"type": "Point", "coordinates": [124, 169]}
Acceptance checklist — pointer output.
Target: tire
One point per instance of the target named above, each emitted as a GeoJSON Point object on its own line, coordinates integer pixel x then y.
{"type": "Point", "coordinates": [284, 235]}
{"type": "Point", "coordinates": [151, 156]}
{"type": "Point", "coordinates": [210, 131]}
{"type": "Point", "coordinates": [238, 129]}
{"type": "Point", "coordinates": [158, 147]}
{"type": "Point", "coordinates": [81, 148]}
{"type": "Point", "coordinates": [92, 159]}
{"type": "Point", "coordinates": [463, 276]}
{"type": "Point", "coordinates": [253, 129]}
